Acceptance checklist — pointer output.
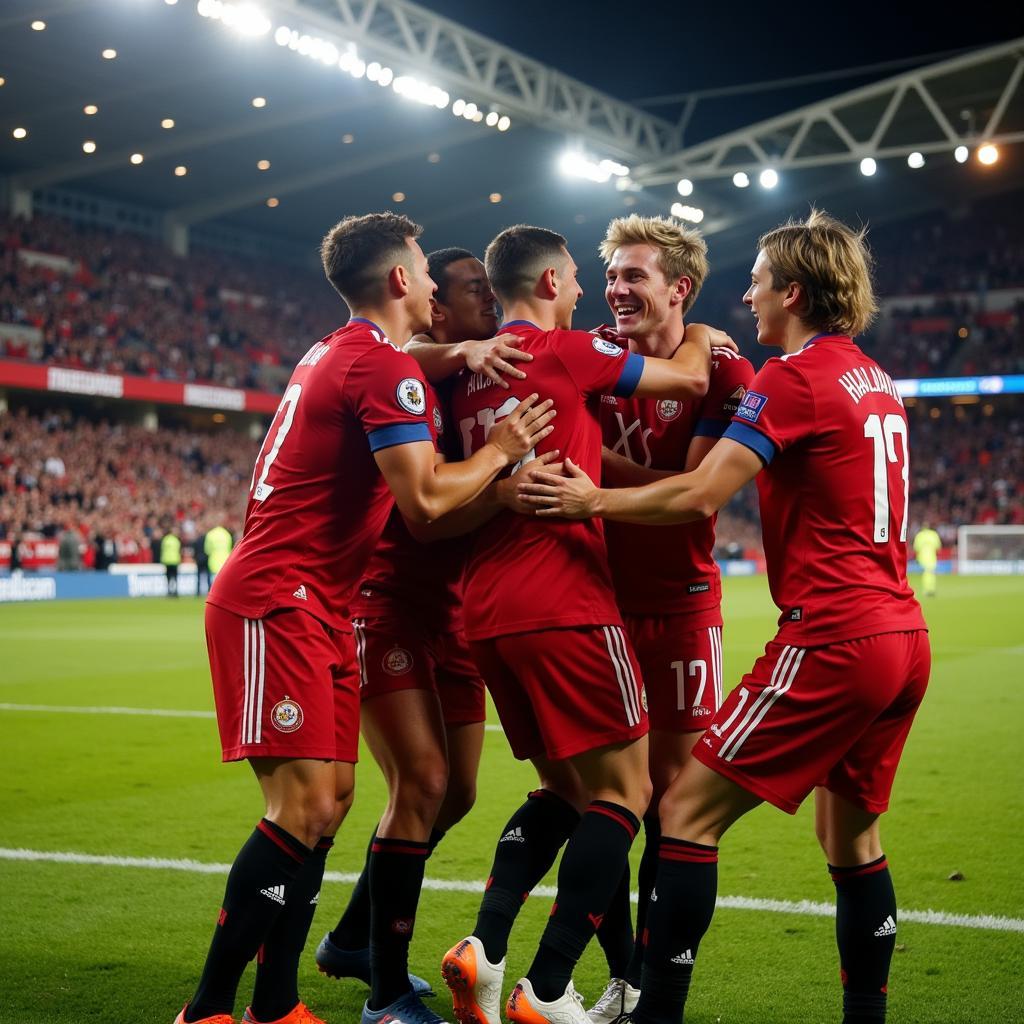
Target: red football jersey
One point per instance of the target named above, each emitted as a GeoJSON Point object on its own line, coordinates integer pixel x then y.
{"type": "Point", "coordinates": [318, 502]}
{"type": "Point", "coordinates": [523, 573]}
{"type": "Point", "coordinates": [831, 429]}
{"type": "Point", "coordinates": [670, 570]}
{"type": "Point", "coordinates": [405, 574]}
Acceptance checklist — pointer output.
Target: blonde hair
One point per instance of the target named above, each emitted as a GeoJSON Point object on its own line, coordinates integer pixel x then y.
{"type": "Point", "coordinates": [682, 252]}
{"type": "Point", "coordinates": [832, 264]}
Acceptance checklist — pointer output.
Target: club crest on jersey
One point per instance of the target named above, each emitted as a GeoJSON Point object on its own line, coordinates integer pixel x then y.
{"type": "Point", "coordinates": [732, 403]}
{"type": "Point", "coordinates": [397, 661]}
{"type": "Point", "coordinates": [411, 396]}
{"type": "Point", "coordinates": [751, 406]}
{"type": "Point", "coordinates": [607, 348]}
{"type": "Point", "coordinates": [438, 420]}
{"type": "Point", "coordinates": [286, 715]}
{"type": "Point", "coordinates": [669, 409]}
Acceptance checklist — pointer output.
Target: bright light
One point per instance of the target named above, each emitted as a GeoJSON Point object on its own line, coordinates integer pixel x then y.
{"type": "Point", "coordinates": [247, 19]}
{"type": "Point", "coordinates": [868, 166]}
{"type": "Point", "coordinates": [259, 102]}
{"type": "Point", "coordinates": [358, 68]}
{"type": "Point", "coordinates": [348, 138]}
{"type": "Point", "coordinates": [167, 122]}
{"type": "Point", "coordinates": [136, 158]}
{"type": "Point", "coordinates": [283, 35]}
{"type": "Point", "coordinates": [619, 170]}
{"type": "Point", "coordinates": [768, 178]}
{"type": "Point", "coordinates": [690, 213]}
{"type": "Point", "coordinates": [684, 187]}
{"type": "Point", "coordinates": [263, 165]}
{"type": "Point", "coordinates": [458, 107]}
{"type": "Point", "coordinates": [386, 77]}
{"type": "Point", "coordinates": [398, 197]}
{"type": "Point", "coordinates": [273, 201]}
{"type": "Point", "coordinates": [3, 81]}
{"type": "Point", "coordinates": [492, 119]}
{"type": "Point", "coordinates": [20, 133]}
{"type": "Point", "coordinates": [495, 197]}
{"type": "Point", "coordinates": [420, 92]}
{"type": "Point", "coordinates": [576, 164]}
{"type": "Point", "coordinates": [109, 54]}
{"type": "Point", "coordinates": [88, 146]}
{"type": "Point", "coordinates": [90, 109]}
{"type": "Point", "coordinates": [960, 154]}
{"type": "Point", "coordinates": [915, 160]}
{"type": "Point", "coordinates": [170, 3]}
{"type": "Point", "coordinates": [373, 70]}
{"type": "Point", "coordinates": [180, 171]}
{"type": "Point", "coordinates": [433, 158]}
{"type": "Point", "coordinates": [988, 154]}
{"type": "Point", "coordinates": [38, 26]}
{"type": "Point", "coordinates": [741, 179]}
{"type": "Point", "coordinates": [504, 123]}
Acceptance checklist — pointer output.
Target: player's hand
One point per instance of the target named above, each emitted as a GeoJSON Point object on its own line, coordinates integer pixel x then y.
{"type": "Point", "coordinates": [708, 337]}
{"type": "Point", "coordinates": [523, 429]}
{"type": "Point", "coordinates": [495, 356]}
{"type": "Point", "coordinates": [572, 496]}
{"type": "Point", "coordinates": [508, 493]}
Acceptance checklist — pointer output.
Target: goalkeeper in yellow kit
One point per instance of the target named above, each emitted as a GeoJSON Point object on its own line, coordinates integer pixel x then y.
{"type": "Point", "coordinates": [926, 550]}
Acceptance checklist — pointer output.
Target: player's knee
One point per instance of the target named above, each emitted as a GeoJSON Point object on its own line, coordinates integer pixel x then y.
{"type": "Point", "coordinates": [459, 799]}
{"type": "Point", "coordinates": [423, 791]}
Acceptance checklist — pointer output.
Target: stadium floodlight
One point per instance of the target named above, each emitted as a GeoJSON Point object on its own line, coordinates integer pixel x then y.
{"type": "Point", "coordinates": [960, 154]}
{"type": "Point", "coordinates": [868, 166]}
{"type": "Point", "coordinates": [574, 163]}
{"type": "Point", "coordinates": [386, 77]}
{"type": "Point", "coordinates": [90, 109]}
{"type": "Point", "coordinates": [246, 19]}
{"type": "Point", "coordinates": [769, 178]}
{"type": "Point", "coordinates": [20, 133]}
{"type": "Point", "coordinates": [109, 54]}
{"type": "Point", "coordinates": [988, 154]}
{"type": "Point", "coordinates": [88, 146]}
{"type": "Point", "coordinates": [741, 179]}
{"type": "Point", "coordinates": [263, 165]}
{"type": "Point", "coordinates": [38, 26]}
{"type": "Point", "coordinates": [504, 123]}
{"type": "Point", "coordinates": [167, 122]}
{"type": "Point", "coordinates": [691, 213]}
{"type": "Point", "coordinates": [421, 92]}
{"type": "Point", "coordinates": [458, 107]}
{"type": "Point", "coordinates": [259, 102]}
{"type": "Point", "coordinates": [915, 160]}
{"type": "Point", "coordinates": [684, 187]}
{"type": "Point", "coordinates": [492, 119]}
{"type": "Point", "coordinates": [136, 158]}
{"type": "Point", "coordinates": [180, 171]}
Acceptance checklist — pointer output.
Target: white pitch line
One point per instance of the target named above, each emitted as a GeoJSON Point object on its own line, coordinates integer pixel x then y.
{"type": "Point", "coordinates": [807, 908]}
{"type": "Point", "coordinates": [153, 712]}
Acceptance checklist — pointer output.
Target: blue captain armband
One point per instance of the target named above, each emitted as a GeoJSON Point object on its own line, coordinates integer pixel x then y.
{"type": "Point", "coordinates": [400, 433]}
{"type": "Point", "coordinates": [752, 439]}
{"type": "Point", "coordinates": [630, 376]}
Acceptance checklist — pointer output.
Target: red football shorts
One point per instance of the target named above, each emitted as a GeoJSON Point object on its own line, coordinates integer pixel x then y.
{"type": "Point", "coordinates": [285, 686]}
{"type": "Point", "coordinates": [834, 716]}
{"type": "Point", "coordinates": [400, 654]}
{"type": "Point", "coordinates": [681, 667]}
{"type": "Point", "coordinates": [561, 692]}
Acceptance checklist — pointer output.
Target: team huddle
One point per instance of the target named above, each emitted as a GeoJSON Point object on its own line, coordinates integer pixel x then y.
{"type": "Point", "coordinates": [444, 504]}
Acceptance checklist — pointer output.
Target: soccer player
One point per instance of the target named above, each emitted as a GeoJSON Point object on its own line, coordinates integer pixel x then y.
{"type": "Point", "coordinates": [423, 701]}
{"type": "Point", "coordinates": [927, 544]}
{"type": "Point", "coordinates": [547, 636]}
{"type": "Point", "coordinates": [350, 427]}
{"type": "Point", "coordinates": [830, 703]}
{"type": "Point", "coordinates": [667, 583]}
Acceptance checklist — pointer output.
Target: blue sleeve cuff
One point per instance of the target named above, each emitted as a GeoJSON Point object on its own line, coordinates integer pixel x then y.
{"type": "Point", "coordinates": [710, 428]}
{"type": "Point", "coordinates": [400, 433]}
{"type": "Point", "coordinates": [752, 439]}
{"type": "Point", "coordinates": [630, 376]}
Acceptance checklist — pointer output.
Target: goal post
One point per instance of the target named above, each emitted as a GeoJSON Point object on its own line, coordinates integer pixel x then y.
{"type": "Point", "coordinates": [990, 550]}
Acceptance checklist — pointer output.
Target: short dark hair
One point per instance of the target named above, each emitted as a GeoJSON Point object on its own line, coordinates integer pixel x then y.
{"type": "Point", "coordinates": [358, 252]}
{"type": "Point", "coordinates": [515, 259]}
{"type": "Point", "coordinates": [438, 262]}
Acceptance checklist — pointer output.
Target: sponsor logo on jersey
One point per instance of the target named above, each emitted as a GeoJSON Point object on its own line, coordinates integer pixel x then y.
{"type": "Point", "coordinates": [669, 409]}
{"type": "Point", "coordinates": [751, 406]}
{"type": "Point", "coordinates": [888, 928]}
{"type": "Point", "coordinates": [607, 348]}
{"type": "Point", "coordinates": [300, 593]}
{"type": "Point", "coordinates": [732, 403]}
{"type": "Point", "coordinates": [286, 715]}
{"type": "Point", "coordinates": [683, 958]}
{"type": "Point", "coordinates": [397, 661]}
{"type": "Point", "coordinates": [796, 615]}
{"type": "Point", "coordinates": [699, 712]}
{"type": "Point", "coordinates": [513, 835]}
{"type": "Point", "coordinates": [274, 892]}
{"type": "Point", "coordinates": [699, 588]}
{"type": "Point", "coordinates": [438, 420]}
{"type": "Point", "coordinates": [411, 396]}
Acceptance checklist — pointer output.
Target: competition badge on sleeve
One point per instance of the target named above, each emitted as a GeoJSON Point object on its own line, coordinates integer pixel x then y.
{"type": "Point", "coordinates": [411, 396]}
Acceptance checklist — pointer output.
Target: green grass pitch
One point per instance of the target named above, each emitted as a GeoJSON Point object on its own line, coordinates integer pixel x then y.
{"type": "Point", "coordinates": [81, 942]}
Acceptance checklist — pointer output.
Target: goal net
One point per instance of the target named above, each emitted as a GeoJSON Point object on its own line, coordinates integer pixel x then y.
{"type": "Point", "coordinates": [990, 550]}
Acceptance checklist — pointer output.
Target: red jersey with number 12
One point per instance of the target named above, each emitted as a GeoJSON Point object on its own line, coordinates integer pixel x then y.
{"type": "Point", "coordinates": [830, 427]}
{"type": "Point", "coordinates": [317, 501]}
{"type": "Point", "coordinates": [671, 570]}
{"type": "Point", "coordinates": [525, 573]}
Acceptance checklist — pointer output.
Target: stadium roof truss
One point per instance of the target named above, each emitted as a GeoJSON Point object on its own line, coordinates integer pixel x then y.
{"type": "Point", "coordinates": [963, 101]}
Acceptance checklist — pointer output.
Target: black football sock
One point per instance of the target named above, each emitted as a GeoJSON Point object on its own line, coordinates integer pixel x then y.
{"type": "Point", "coordinates": [644, 883]}
{"type": "Point", "coordinates": [436, 835]}
{"type": "Point", "coordinates": [396, 877]}
{"type": "Point", "coordinates": [616, 932]}
{"type": "Point", "coordinates": [591, 868]}
{"type": "Point", "coordinates": [866, 936]}
{"type": "Point", "coordinates": [276, 991]}
{"type": "Point", "coordinates": [528, 846]}
{"type": "Point", "coordinates": [353, 929]}
{"type": "Point", "coordinates": [256, 894]}
{"type": "Point", "coordinates": [679, 912]}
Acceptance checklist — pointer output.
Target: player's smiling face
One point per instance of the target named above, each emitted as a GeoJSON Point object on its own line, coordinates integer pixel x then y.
{"type": "Point", "coordinates": [638, 294]}
{"type": "Point", "coordinates": [767, 304]}
{"type": "Point", "coordinates": [469, 303]}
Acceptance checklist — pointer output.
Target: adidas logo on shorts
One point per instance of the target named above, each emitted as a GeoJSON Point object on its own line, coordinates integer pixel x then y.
{"type": "Point", "coordinates": [683, 958]}
{"type": "Point", "coordinates": [888, 928]}
{"type": "Point", "coordinates": [513, 835]}
{"type": "Point", "coordinates": [275, 892]}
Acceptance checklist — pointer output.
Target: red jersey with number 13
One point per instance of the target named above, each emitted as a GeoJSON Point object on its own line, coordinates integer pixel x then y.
{"type": "Point", "coordinates": [317, 501]}
{"type": "Point", "coordinates": [830, 427]}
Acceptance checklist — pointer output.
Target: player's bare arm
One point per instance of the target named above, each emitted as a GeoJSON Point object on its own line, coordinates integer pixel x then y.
{"type": "Point", "coordinates": [682, 498]}
{"type": "Point", "coordinates": [492, 357]}
{"type": "Point", "coordinates": [688, 373]}
{"type": "Point", "coordinates": [425, 490]}
{"type": "Point", "coordinates": [618, 471]}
